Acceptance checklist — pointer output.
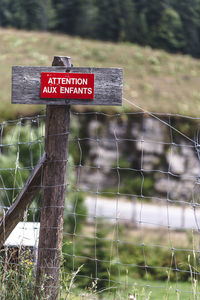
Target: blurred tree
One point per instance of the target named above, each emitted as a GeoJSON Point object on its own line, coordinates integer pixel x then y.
{"type": "Point", "coordinates": [30, 9]}
{"type": "Point", "coordinates": [127, 21]}
{"type": "Point", "coordinates": [10, 14]}
{"type": "Point", "coordinates": [47, 15]}
{"type": "Point", "coordinates": [148, 16]}
{"type": "Point", "coordinates": [109, 20]}
{"type": "Point", "coordinates": [88, 19]}
{"type": "Point", "coordinates": [116, 20]}
{"type": "Point", "coordinates": [154, 10]}
{"type": "Point", "coordinates": [169, 34]}
{"type": "Point", "coordinates": [68, 14]}
{"type": "Point", "coordinates": [189, 11]}
{"type": "Point", "coordinates": [151, 13]}
{"type": "Point", "coordinates": [169, 24]}
{"type": "Point", "coordinates": [29, 14]}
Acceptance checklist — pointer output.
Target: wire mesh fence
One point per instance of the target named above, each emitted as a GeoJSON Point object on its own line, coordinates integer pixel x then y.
{"type": "Point", "coordinates": [131, 218]}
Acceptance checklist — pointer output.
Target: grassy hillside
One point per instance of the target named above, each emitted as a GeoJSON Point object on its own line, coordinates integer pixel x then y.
{"type": "Point", "coordinates": [155, 80]}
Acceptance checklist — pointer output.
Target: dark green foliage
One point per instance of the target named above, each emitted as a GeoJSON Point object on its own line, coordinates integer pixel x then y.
{"type": "Point", "coordinates": [154, 11]}
{"type": "Point", "coordinates": [96, 257]}
{"type": "Point", "coordinates": [160, 263]}
{"type": "Point", "coordinates": [170, 25]}
{"type": "Point", "coordinates": [128, 21]}
{"type": "Point", "coordinates": [169, 33]}
{"type": "Point", "coordinates": [23, 146]}
{"type": "Point", "coordinates": [97, 267]}
{"type": "Point", "coordinates": [115, 20]}
{"type": "Point", "coordinates": [30, 14]}
{"type": "Point", "coordinates": [98, 260]}
{"type": "Point", "coordinates": [76, 17]}
{"type": "Point", "coordinates": [135, 182]}
{"type": "Point", "coordinates": [76, 212]}
{"type": "Point", "coordinates": [20, 153]}
{"type": "Point", "coordinates": [189, 12]}
{"type": "Point", "coordinates": [108, 19]}
{"type": "Point", "coordinates": [68, 13]}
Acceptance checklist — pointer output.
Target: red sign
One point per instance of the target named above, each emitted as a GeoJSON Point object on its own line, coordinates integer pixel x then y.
{"type": "Point", "coordinates": [67, 85]}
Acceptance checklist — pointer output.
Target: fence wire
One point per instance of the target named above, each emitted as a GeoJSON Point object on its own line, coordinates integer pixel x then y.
{"type": "Point", "coordinates": [132, 211]}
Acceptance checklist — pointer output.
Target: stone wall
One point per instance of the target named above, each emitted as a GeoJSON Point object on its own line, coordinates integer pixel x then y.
{"type": "Point", "coordinates": [140, 153]}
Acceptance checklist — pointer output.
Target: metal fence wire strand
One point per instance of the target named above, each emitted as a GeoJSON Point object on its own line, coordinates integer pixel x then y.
{"type": "Point", "coordinates": [132, 209]}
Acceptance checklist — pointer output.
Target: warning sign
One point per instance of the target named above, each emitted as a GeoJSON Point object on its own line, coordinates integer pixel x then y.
{"type": "Point", "coordinates": [67, 85]}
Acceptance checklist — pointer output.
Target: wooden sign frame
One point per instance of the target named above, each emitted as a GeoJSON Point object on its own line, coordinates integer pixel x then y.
{"type": "Point", "coordinates": [26, 86]}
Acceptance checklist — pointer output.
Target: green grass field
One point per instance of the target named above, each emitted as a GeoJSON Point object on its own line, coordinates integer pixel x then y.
{"type": "Point", "coordinates": [157, 290]}
{"type": "Point", "coordinates": [143, 290]}
{"type": "Point", "coordinates": [153, 79]}
{"type": "Point", "coordinates": [147, 288]}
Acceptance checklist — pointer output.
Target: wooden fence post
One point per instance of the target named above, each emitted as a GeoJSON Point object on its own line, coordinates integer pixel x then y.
{"type": "Point", "coordinates": [53, 87]}
{"type": "Point", "coordinates": [54, 192]}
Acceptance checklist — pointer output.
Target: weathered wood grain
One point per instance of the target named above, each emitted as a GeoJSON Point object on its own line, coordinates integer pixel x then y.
{"type": "Point", "coordinates": [53, 201]}
{"type": "Point", "coordinates": [107, 87]}
{"type": "Point", "coordinates": [22, 203]}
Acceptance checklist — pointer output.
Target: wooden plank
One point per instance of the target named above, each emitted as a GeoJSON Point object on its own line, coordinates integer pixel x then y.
{"type": "Point", "coordinates": [26, 86]}
{"type": "Point", "coordinates": [22, 203]}
{"type": "Point", "coordinates": [53, 201]}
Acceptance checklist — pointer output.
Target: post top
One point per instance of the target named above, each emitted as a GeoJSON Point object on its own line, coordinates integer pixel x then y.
{"type": "Point", "coordinates": [64, 61]}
